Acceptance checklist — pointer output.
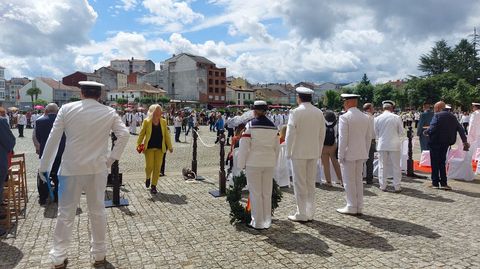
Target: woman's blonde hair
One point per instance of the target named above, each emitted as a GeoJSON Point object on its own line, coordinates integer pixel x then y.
{"type": "Point", "coordinates": [151, 110]}
{"type": "Point", "coordinates": [283, 131]}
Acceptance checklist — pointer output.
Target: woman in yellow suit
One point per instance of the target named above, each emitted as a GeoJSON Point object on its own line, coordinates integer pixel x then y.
{"type": "Point", "coordinates": [155, 137]}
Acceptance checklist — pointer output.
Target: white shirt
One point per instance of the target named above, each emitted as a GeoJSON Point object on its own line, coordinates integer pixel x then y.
{"type": "Point", "coordinates": [388, 130]}
{"type": "Point", "coordinates": [465, 119]}
{"type": "Point", "coordinates": [259, 146]}
{"type": "Point", "coordinates": [87, 125]}
{"type": "Point", "coordinates": [474, 126]}
{"type": "Point", "coordinates": [22, 119]}
{"type": "Point", "coordinates": [305, 132]}
{"type": "Point", "coordinates": [354, 135]}
{"type": "Point", "coordinates": [177, 122]}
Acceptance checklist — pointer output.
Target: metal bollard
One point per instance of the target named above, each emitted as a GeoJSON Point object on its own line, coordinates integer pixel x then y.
{"type": "Point", "coordinates": [115, 178]}
{"type": "Point", "coordinates": [410, 170]}
{"type": "Point", "coordinates": [222, 179]}
{"type": "Point", "coordinates": [194, 154]}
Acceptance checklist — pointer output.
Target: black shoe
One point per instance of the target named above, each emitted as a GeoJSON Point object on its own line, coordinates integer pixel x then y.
{"type": "Point", "coordinates": [2, 232]}
{"type": "Point", "coordinates": [147, 183]}
{"type": "Point", "coordinates": [162, 174]}
{"type": "Point", "coordinates": [42, 202]}
{"type": "Point", "coordinates": [153, 190]}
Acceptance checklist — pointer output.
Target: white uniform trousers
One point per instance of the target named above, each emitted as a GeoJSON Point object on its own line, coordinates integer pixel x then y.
{"type": "Point", "coordinates": [387, 158]}
{"type": "Point", "coordinates": [260, 184]}
{"type": "Point", "coordinates": [70, 189]}
{"type": "Point", "coordinates": [133, 127]}
{"type": "Point", "coordinates": [353, 183]}
{"type": "Point", "coordinates": [304, 175]}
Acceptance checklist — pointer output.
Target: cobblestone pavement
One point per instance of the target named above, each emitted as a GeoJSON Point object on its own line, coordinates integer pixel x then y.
{"type": "Point", "coordinates": [184, 227]}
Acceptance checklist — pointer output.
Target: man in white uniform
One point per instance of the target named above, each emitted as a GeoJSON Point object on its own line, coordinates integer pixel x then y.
{"type": "Point", "coordinates": [304, 139]}
{"type": "Point", "coordinates": [474, 128]}
{"type": "Point", "coordinates": [87, 125]}
{"type": "Point", "coordinates": [389, 131]}
{"type": "Point", "coordinates": [353, 147]}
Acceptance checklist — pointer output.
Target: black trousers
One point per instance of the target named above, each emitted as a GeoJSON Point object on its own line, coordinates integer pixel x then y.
{"type": "Point", "coordinates": [162, 169]}
{"type": "Point", "coordinates": [20, 130]}
{"type": "Point", "coordinates": [465, 126]}
{"type": "Point", "coordinates": [42, 188]}
{"type": "Point", "coordinates": [369, 163]}
{"type": "Point", "coordinates": [178, 130]}
{"type": "Point", "coordinates": [438, 156]}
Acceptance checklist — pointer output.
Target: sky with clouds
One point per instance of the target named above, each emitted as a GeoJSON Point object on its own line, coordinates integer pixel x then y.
{"type": "Point", "coordinates": [261, 40]}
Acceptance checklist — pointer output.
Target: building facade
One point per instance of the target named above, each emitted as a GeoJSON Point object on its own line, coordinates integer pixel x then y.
{"type": "Point", "coordinates": [154, 78]}
{"type": "Point", "coordinates": [133, 65]}
{"type": "Point", "coordinates": [112, 79]}
{"type": "Point", "coordinates": [188, 77]}
{"type": "Point", "coordinates": [12, 89]}
{"type": "Point", "coordinates": [51, 91]}
{"type": "Point", "coordinates": [238, 96]}
{"type": "Point", "coordinates": [3, 86]}
{"type": "Point", "coordinates": [135, 92]}
{"type": "Point", "coordinates": [74, 78]}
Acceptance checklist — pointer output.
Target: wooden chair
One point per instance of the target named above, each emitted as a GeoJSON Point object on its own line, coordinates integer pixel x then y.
{"type": "Point", "coordinates": [21, 157]}
{"type": "Point", "coordinates": [12, 201]}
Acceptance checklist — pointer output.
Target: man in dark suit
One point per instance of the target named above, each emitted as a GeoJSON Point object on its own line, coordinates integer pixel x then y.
{"type": "Point", "coordinates": [442, 133]}
{"type": "Point", "coordinates": [42, 131]}
{"type": "Point", "coordinates": [424, 121]}
{"type": "Point", "coordinates": [7, 142]}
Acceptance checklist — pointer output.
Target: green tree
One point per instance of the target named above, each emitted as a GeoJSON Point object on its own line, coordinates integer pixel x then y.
{"type": "Point", "coordinates": [365, 80]}
{"type": "Point", "coordinates": [464, 60]}
{"type": "Point", "coordinates": [383, 92]}
{"type": "Point", "coordinates": [40, 102]}
{"type": "Point", "coordinates": [464, 94]}
{"type": "Point", "coordinates": [365, 91]}
{"type": "Point", "coordinates": [333, 100]}
{"type": "Point", "coordinates": [121, 101]}
{"type": "Point", "coordinates": [34, 92]}
{"type": "Point", "coordinates": [163, 100]}
{"type": "Point", "coordinates": [438, 60]}
{"type": "Point", "coordinates": [248, 102]}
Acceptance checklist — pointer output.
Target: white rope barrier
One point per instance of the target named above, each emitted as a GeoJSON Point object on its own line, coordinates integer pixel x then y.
{"type": "Point", "coordinates": [201, 141]}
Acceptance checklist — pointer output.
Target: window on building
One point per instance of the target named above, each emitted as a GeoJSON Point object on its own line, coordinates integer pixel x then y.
{"type": "Point", "coordinates": [216, 98]}
{"type": "Point", "coordinates": [222, 98]}
{"type": "Point", "coordinates": [238, 102]}
{"type": "Point", "coordinates": [216, 74]}
{"type": "Point", "coordinates": [222, 82]}
{"type": "Point", "coordinates": [116, 96]}
{"type": "Point", "coordinates": [132, 95]}
{"type": "Point", "coordinates": [249, 98]}
{"type": "Point", "coordinates": [2, 83]}
{"type": "Point", "coordinates": [244, 96]}
{"type": "Point", "coordinates": [216, 90]}
{"type": "Point", "coordinates": [210, 90]}
{"type": "Point", "coordinates": [210, 97]}
{"type": "Point", "coordinates": [238, 96]}
{"type": "Point", "coordinates": [210, 73]}
{"type": "Point", "coordinates": [223, 90]}
{"type": "Point", "coordinates": [222, 74]}
{"type": "Point", "coordinates": [216, 82]}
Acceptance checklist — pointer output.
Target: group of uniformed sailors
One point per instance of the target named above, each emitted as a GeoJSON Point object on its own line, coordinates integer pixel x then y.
{"type": "Point", "coordinates": [305, 136]}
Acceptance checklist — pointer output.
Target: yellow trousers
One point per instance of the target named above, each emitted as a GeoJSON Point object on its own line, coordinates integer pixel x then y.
{"type": "Point", "coordinates": [153, 161]}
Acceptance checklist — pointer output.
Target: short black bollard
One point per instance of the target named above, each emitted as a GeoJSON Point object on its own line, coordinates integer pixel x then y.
{"type": "Point", "coordinates": [115, 177]}
{"type": "Point", "coordinates": [222, 179]}
{"type": "Point", "coordinates": [194, 154]}
{"type": "Point", "coordinates": [410, 170]}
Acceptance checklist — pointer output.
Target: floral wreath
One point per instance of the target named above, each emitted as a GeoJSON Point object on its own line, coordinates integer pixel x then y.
{"type": "Point", "coordinates": [240, 213]}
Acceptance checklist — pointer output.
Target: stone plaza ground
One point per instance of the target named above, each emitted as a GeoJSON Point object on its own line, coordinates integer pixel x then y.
{"type": "Point", "coordinates": [183, 226]}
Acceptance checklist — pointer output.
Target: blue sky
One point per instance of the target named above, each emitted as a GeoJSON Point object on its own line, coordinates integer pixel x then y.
{"type": "Point", "coordinates": [261, 40]}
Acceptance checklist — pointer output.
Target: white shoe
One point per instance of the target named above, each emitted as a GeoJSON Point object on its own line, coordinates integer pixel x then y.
{"type": "Point", "coordinates": [296, 218]}
{"type": "Point", "coordinates": [346, 211]}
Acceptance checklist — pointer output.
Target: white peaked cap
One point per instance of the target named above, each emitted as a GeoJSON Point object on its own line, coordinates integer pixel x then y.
{"type": "Point", "coordinates": [90, 83]}
{"type": "Point", "coordinates": [304, 90]}
{"type": "Point", "coordinates": [388, 102]}
{"type": "Point", "coordinates": [259, 103]}
{"type": "Point", "coordinates": [448, 106]}
{"type": "Point", "coordinates": [476, 104]}
{"type": "Point", "coordinates": [349, 96]}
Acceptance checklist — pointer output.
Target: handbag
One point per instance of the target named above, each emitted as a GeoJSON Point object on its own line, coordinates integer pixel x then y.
{"type": "Point", "coordinates": [141, 148]}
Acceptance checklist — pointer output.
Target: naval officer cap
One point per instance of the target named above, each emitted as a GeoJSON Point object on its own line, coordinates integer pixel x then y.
{"type": "Point", "coordinates": [388, 102]}
{"type": "Point", "coordinates": [304, 90]}
{"type": "Point", "coordinates": [447, 106]}
{"type": "Point", "coordinates": [475, 104]}
{"type": "Point", "coordinates": [260, 105]}
{"type": "Point", "coordinates": [347, 96]}
{"type": "Point", "coordinates": [91, 85]}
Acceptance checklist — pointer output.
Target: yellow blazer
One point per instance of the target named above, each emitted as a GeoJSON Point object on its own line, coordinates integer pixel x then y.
{"type": "Point", "coordinates": [146, 132]}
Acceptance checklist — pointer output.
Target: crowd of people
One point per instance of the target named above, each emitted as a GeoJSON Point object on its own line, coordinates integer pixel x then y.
{"type": "Point", "coordinates": [288, 146]}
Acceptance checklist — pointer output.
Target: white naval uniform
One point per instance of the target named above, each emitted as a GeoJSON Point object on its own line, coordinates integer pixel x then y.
{"type": "Point", "coordinates": [258, 151]}
{"type": "Point", "coordinates": [140, 116]}
{"type": "Point", "coordinates": [132, 120]}
{"type": "Point", "coordinates": [474, 130]}
{"type": "Point", "coordinates": [353, 147]}
{"type": "Point", "coordinates": [304, 139]}
{"type": "Point", "coordinates": [87, 125]}
{"type": "Point", "coordinates": [389, 131]}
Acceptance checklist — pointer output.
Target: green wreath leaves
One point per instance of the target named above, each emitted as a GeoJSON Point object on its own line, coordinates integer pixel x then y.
{"type": "Point", "coordinates": [238, 212]}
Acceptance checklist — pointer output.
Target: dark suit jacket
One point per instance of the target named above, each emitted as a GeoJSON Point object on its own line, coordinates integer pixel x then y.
{"type": "Point", "coordinates": [443, 129]}
{"type": "Point", "coordinates": [43, 126]}
{"type": "Point", "coordinates": [425, 119]}
{"type": "Point", "coordinates": [7, 142]}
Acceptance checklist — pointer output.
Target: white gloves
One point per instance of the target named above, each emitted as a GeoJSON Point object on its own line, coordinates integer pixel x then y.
{"type": "Point", "coordinates": [43, 176]}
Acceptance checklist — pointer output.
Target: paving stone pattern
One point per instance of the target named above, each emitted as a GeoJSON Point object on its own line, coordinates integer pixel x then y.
{"type": "Point", "coordinates": [183, 226]}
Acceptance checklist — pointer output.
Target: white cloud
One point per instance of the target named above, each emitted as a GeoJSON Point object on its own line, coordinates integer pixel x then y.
{"type": "Point", "coordinates": [126, 5]}
{"type": "Point", "coordinates": [172, 15]}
